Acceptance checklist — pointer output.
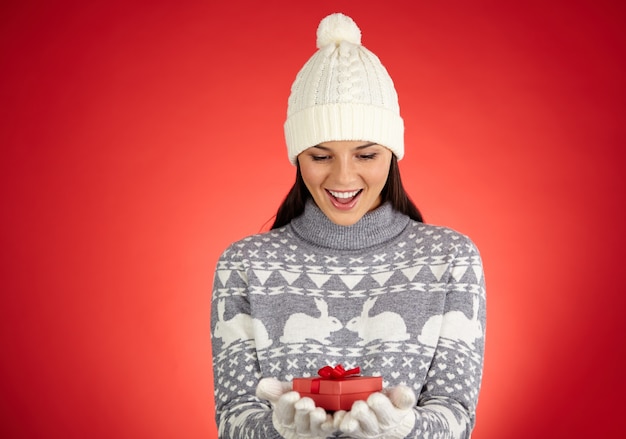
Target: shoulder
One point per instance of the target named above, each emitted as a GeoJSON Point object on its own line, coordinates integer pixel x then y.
{"type": "Point", "coordinates": [441, 238]}
{"type": "Point", "coordinates": [254, 244]}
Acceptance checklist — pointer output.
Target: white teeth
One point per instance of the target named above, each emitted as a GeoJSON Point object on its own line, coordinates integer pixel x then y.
{"type": "Point", "coordinates": [343, 194]}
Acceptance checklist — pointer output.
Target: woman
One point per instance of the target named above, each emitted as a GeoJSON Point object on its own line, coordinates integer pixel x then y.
{"type": "Point", "coordinates": [349, 275]}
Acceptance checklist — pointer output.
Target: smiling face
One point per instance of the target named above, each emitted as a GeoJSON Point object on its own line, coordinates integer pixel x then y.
{"type": "Point", "coordinates": [345, 178]}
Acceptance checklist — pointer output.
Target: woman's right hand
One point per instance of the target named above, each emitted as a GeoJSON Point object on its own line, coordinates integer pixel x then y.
{"type": "Point", "coordinates": [294, 417]}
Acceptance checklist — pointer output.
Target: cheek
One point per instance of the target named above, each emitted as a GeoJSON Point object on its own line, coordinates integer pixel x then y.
{"type": "Point", "coordinates": [306, 177]}
{"type": "Point", "coordinates": [310, 178]}
{"type": "Point", "coordinates": [379, 176]}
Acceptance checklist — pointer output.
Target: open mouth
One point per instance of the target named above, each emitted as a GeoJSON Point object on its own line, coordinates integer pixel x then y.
{"type": "Point", "coordinates": [344, 199]}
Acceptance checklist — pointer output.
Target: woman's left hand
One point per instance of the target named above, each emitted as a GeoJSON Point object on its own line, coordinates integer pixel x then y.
{"type": "Point", "coordinates": [294, 417]}
{"type": "Point", "coordinates": [387, 414]}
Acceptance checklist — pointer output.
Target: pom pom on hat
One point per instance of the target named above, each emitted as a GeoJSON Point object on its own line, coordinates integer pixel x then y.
{"type": "Point", "coordinates": [337, 28]}
{"type": "Point", "coordinates": [342, 92]}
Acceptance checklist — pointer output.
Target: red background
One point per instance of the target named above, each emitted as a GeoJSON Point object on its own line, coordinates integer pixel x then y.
{"type": "Point", "coordinates": [138, 140]}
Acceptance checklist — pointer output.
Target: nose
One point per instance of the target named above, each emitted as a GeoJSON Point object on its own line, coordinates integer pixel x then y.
{"type": "Point", "coordinates": [344, 171]}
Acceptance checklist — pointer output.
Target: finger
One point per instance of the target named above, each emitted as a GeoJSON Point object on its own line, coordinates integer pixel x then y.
{"type": "Point", "coordinates": [321, 422]}
{"type": "Point", "coordinates": [271, 389]}
{"type": "Point", "coordinates": [402, 397]}
{"type": "Point", "coordinates": [305, 404]}
{"type": "Point", "coordinates": [347, 424]}
{"type": "Point", "coordinates": [337, 418]}
{"type": "Point", "coordinates": [383, 409]}
{"type": "Point", "coordinates": [285, 410]}
{"type": "Point", "coordinates": [366, 417]}
{"type": "Point", "coordinates": [328, 426]}
{"type": "Point", "coordinates": [303, 408]}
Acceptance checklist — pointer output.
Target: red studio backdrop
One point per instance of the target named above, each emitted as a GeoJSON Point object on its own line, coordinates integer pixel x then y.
{"type": "Point", "coordinates": [140, 138]}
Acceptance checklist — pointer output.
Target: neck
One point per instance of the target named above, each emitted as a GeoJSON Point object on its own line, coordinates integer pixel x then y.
{"type": "Point", "coordinates": [374, 228]}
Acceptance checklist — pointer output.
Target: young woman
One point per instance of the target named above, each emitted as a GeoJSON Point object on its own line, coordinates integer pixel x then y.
{"type": "Point", "coordinates": [349, 275]}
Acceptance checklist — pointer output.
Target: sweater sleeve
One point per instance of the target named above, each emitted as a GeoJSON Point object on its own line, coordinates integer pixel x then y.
{"type": "Point", "coordinates": [447, 402]}
{"type": "Point", "coordinates": [239, 413]}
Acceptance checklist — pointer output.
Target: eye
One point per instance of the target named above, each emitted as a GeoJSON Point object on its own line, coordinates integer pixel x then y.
{"type": "Point", "coordinates": [370, 156]}
{"type": "Point", "coordinates": [319, 158]}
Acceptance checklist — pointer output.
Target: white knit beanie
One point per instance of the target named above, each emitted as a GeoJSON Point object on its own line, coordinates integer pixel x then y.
{"type": "Point", "coordinates": [343, 92]}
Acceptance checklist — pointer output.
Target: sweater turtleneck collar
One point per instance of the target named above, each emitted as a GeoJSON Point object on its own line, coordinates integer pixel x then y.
{"type": "Point", "coordinates": [374, 228]}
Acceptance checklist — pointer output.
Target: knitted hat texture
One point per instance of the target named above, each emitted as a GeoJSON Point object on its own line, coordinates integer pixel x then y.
{"type": "Point", "coordinates": [343, 92]}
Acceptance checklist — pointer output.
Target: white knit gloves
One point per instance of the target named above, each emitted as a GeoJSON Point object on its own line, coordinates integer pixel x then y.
{"type": "Point", "coordinates": [387, 415]}
{"type": "Point", "coordinates": [294, 417]}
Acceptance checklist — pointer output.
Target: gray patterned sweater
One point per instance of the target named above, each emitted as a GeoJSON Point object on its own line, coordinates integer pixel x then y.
{"type": "Point", "coordinates": [398, 298]}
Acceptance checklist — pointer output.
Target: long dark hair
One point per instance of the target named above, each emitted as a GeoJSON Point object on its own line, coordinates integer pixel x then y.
{"type": "Point", "coordinates": [393, 191]}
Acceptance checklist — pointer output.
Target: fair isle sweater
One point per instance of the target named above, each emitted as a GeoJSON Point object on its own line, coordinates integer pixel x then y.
{"type": "Point", "coordinates": [398, 298]}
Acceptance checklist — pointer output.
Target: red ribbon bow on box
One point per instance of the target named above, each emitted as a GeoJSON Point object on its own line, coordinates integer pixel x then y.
{"type": "Point", "coordinates": [332, 373]}
{"type": "Point", "coordinates": [337, 372]}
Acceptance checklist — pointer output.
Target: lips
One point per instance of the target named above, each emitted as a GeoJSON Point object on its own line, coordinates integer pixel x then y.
{"type": "Point", "coordinates": [344, 200]}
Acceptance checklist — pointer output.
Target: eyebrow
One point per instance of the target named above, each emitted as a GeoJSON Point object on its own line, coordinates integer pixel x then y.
{"type": "Point", "coordinates": [325, 148]}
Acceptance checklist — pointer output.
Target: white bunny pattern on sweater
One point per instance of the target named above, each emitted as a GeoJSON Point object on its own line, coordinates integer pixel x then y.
{"type": "Point", "coordinates": [400, 299]}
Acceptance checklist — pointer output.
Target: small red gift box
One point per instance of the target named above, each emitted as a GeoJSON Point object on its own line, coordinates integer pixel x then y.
{"type": "Point", "coordinates": [336, 388]}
